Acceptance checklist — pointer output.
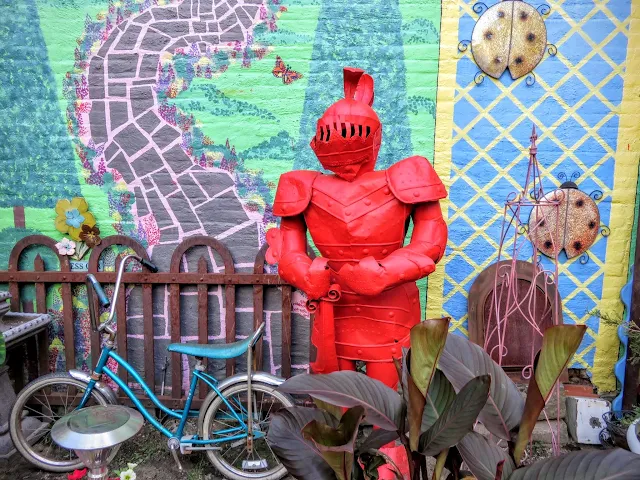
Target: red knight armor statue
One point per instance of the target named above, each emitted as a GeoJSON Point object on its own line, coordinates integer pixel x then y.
{"type": "Point", "coordinates": [358, 220]}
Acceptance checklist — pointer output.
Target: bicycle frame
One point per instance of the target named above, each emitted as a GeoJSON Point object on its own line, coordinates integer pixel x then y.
{"type": "Point", "coordinates": [220, 436]}
{"type": "Point", "coordinates": [244, 429]}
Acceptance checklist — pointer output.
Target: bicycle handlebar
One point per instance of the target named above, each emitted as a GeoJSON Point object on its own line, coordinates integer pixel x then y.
{"type": "Point", "coordinates": [102, 297]}
{"type": "Point", "coordinates": [145, 263]}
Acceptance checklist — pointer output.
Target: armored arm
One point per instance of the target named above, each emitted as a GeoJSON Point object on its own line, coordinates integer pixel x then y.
{"type": "Point", "coordinates": [295, 266]}
{"type": "Point", "coordinates": [288, 244]}
{"type": "Point", "coordinates": [426, 248]}
{"type": "Point", "coordinates": [414, 182]}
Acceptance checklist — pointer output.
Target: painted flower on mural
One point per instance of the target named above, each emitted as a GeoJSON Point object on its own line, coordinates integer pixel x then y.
{"type": "Point", "coordinates": [66, 247]}
{"type": "Point", "coordinates": [90, 235]}
{"type": "Point", "coordinates": [72, 215]}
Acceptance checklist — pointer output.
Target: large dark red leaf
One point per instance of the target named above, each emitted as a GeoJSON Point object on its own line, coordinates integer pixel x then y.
{"type": "Point", "coordinates": [616, 464]}
{"type": "Point", "coordinates": [483, 457]}
{"type": "Point", "coordinates": [462, 360]}
{"type": "Point", "coordinates": [458, 419]}
{"type": "Point", "coordinates": [558, 346]}
{"type": "Point", "coordinates": [382, 405]}
{"type": "Point", "coordinates": [299, 456]}
{"type": "Point", "coordinates": [337, 445]}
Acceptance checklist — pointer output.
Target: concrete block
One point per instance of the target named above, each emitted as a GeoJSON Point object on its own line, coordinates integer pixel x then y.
{"type": "Point", "coordinates": [584, 418]}
{"type": "Point", "coordinates": [544, 431]}
{"type": "Point", "coordinates": [551, 408]}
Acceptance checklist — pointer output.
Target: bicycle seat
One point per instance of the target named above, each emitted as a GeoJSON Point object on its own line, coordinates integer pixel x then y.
{"type": "Point", "coordinates": [217, 351]}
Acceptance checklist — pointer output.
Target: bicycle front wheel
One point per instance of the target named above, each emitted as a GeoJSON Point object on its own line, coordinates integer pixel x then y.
{"type": "Point", "coordinates": [38, 406]}
{"type": "Point", "coordinates": [234, 460]}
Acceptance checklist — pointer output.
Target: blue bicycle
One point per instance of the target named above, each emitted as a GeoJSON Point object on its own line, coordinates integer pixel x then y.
{"type": "Point", "coordinates": [232, 423]}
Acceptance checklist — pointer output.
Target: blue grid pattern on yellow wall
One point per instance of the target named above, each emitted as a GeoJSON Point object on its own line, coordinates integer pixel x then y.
{"type": "Point", "coordinates": [575, 104]}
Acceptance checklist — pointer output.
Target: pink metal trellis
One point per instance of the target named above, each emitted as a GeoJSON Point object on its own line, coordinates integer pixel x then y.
{"type": "Point", "coordinates": [525, 212]}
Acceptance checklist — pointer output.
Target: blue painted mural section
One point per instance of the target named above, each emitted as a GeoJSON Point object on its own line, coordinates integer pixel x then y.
{"type": "Point", "coordinates": [349, 33]}
{"type": "Point", "coordinates": [45, 171]}
{"type": "Point", "coordinates": [574, 105]}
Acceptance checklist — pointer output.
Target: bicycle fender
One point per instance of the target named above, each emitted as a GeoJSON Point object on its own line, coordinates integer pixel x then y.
{"type": "Point", "coordinates": [102, 387]}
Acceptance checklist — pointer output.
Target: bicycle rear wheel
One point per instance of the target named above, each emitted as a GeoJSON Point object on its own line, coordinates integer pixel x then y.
{"type": "Point", "coordinates": [234, 460]}
{"type": "Point", "coordinates": [38, 406]}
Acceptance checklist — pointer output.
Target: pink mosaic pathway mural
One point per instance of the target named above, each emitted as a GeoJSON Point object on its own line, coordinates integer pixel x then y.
{"type": "Point", "coordinates": [175, 196]}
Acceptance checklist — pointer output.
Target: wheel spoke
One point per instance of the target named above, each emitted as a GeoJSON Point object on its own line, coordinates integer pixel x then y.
{"type": "Point", "coordinates": [264, 402]}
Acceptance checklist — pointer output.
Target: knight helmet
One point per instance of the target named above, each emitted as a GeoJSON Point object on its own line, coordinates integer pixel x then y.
{"type": "Point", "coordinates": [349, 132]}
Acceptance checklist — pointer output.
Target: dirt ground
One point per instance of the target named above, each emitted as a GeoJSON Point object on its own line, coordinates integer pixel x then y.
{"type": "Point", "coordinates": [149, 451]}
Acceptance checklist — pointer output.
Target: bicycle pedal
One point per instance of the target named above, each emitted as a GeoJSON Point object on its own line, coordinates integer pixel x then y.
{"type": "Point", "coordinates": [260, 464]}
{"type": "Point", "coordinates": [174, 446]}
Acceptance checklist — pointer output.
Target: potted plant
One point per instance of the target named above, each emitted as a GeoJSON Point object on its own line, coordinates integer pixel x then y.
{"type": "Point", "coordinates": [447, 384]}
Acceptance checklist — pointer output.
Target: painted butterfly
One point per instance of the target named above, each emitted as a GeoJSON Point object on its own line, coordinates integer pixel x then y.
{"type": "Point", "coordinates": [284, 72]}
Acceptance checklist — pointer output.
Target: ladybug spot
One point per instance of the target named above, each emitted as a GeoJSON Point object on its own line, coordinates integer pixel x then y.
{"type": "Point", "coordinates": [577, 245]}
{"type": "Point", "coordinates": [592, 224]}
{"type": "Point", "coordinates": [497, 60]}
{"type": "Point", "coordinates": [500, 13]}
{"type": "Point", "coordinates": [542, 223]}
{"type": "Point", "coordinates": [580, 203]}
{"type": "Point", "coordinates": [488, 35]}
{"type": "Point", "coordinates": [519, 60]}
{"type": "Point", "coordinates": [524, 16]}
{"type": "Point", "coordinates": [548, 244]}
{"type": "Point", "coordinates": [531, 36]}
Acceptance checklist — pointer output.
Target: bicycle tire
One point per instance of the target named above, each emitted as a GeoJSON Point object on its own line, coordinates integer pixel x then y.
{"type": "Point", "coordinates": [23, 444]}
{"type": "Point", "coordinates": [228, 470]}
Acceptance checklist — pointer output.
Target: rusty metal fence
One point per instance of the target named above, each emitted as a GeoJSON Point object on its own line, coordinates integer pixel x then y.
{"type": "Point", "coordinates": [174, 279]}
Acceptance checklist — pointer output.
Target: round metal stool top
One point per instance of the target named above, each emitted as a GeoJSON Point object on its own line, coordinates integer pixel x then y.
{"type": "Point", "coordinates": [96, 427]}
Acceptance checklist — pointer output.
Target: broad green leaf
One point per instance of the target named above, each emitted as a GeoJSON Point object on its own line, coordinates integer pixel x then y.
{"type": "Point", "coordinates": [439, 397]}
{"type": "Point", "coordinates": [299, 456]}
{"type": "Point", "coordinates": [483, 457]}
{"type": "Point", "coordinates": [439, 466]}
{"type": "Point", "coordinates": [613, 464]}
{"type": "Point", "coordinates": [374, 459]}
{"type": "Point", "coordinates": [382, 405]}
{"type": "Point", "coordinates": [462, 360]}
{"type": "Point", "coordinates": [337, 445]}
{"type": "Point", "coordinates": [332, 409]}
{"type": "Point", "coordinates": [415, 410]}
{"type": "Point", "coordinates": [559, 343]}
{"type": "Point", "coordinates": [376, 439]}
{"type": "Point", "coordinates": [371, 463]}
{"type": "Point", "coordinates": [458, 419]}
{"type": "Point", "coordinates": [427, 341]}
{"type": "Point", "coordinates": [3, 350]}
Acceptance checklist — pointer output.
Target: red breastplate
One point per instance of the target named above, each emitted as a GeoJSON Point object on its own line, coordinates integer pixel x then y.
{"type": "Point", "coordinates": [365, 218]}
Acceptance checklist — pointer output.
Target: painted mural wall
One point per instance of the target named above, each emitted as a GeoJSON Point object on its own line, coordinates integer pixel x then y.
{"type": "Point", "coordinates": [581, 103]}
{"type": "Point", "coordinates": [176, 118]}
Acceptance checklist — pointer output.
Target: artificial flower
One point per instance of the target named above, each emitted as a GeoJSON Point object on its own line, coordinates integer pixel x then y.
{"type": "Point", "coordinates": [66, 247]}
{"type": "Point", "coordinates": [128, 475]}
{"type": "Point", "coordinates": [77, 474]}
{"type": "Point", "coordinates": [81, 249]}
{"type": "Point", "coordinates": [72, 215]}
{"type": "Point", "coordinates": [90, 235]}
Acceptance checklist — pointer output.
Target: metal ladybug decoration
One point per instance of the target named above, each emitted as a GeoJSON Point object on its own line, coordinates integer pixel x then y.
{"type": "Point", "coordinates": [510, 35]}
{"type": "Point", "coordinates": [572, 226]}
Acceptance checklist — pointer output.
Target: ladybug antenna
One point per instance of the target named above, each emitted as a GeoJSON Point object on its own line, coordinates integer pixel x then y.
{"type": "Point", "coordinates": [358, 85]}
